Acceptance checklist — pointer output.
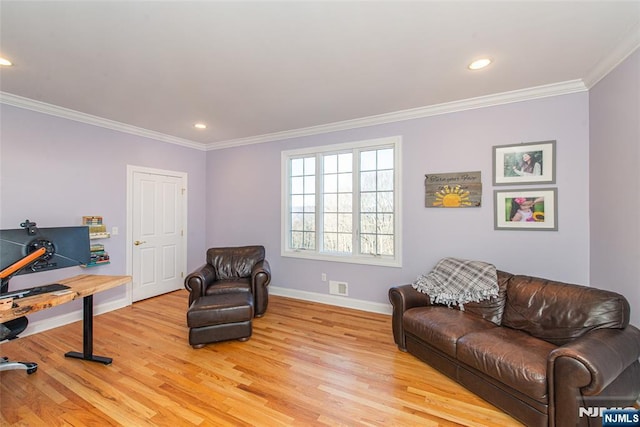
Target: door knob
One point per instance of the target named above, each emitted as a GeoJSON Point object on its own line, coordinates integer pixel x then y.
{"type": "Point", "coordinates": [139, 242]}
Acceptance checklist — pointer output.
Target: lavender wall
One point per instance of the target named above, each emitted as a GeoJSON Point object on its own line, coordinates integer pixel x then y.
{"type": "Point", "coordinates": [53, 171]}
{"type": "Point", "coordinates": [243, 198]}
{"type": "Point", "coordinates": [614, 108]}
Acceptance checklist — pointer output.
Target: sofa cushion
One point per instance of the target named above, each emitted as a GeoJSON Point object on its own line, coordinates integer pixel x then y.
{"type": "Point", "coordinates": [492, 309]}
{"type": "Point", "coordinates": [511, 357]}
{"type": "Point", "coordinates": [558, 312]}
{"type": "Point", "coordinates": [441, 326]}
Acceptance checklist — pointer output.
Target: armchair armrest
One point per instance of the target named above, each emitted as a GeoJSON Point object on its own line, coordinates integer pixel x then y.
{"type": "Point", "coordinates": [586, 366]}
{"type": "Point", "coordinates": [403, 298]}
{"type": "Point", "coordinates": [260, 279]}
{"type": "Point", "coordinates": [196, 283]}
{"type": "Point", "coordinates": [261, 273]}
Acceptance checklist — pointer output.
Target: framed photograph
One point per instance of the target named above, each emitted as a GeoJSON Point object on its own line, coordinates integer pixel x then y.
{"type": "Point", "coordinates": [535, 209]}
{"type": "Point", "coordinates": [526, 163]}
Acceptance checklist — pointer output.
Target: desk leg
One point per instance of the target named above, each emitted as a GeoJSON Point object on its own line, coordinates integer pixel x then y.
{"type": "Point", "coordinates": [87, 335]}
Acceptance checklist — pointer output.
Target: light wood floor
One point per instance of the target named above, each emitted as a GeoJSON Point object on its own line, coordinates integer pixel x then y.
{"type": "Point", "coordinates": [306, 364]}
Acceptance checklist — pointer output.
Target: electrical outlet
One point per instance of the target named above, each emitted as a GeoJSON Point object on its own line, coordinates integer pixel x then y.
{"type": "Point", "coordinates": [114, 231]}
{"type": "Point", "coordinates": [323, 277]}
{"type": "Point", "coordinates": [338, 288]}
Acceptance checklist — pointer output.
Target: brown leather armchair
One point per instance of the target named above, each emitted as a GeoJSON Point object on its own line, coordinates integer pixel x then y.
{"type": "Point", "coordinates": [232, 270]}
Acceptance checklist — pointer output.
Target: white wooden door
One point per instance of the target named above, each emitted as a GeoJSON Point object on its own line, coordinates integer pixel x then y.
{"type": "Point", "coordinates": [157, 232]}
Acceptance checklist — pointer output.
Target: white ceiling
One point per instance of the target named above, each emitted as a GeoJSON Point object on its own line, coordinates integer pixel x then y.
{"type": "Point", "coordinates": [253, 71]}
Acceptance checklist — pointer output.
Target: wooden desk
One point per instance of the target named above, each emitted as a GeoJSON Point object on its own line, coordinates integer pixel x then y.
{"type": "Point", "coordinates": [83, 286]}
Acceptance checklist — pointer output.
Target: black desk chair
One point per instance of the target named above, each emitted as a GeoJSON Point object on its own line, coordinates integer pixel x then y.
{"type": "Point", "coordinates": [12, 328]}
{"type": "Point", "coordinates": [8, 331]}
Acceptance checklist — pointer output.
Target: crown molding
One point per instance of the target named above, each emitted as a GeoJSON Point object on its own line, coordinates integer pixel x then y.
{"type": "Point", "coordinates": [544, 91]}
{"type": "Point", "coordinates": [629, 44]}
{"type": "Point", "coordinates": [66, 113]}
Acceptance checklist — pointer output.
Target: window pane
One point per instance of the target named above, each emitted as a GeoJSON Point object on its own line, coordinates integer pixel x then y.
{"type": "Point", "coordinates": [310, 203]}
{"type": "Point", "coordinates": [367, 160]}
{"type": "Point", "coordinates": [345, 223]}
{"type": "Point", "coordinates": [368, 223]}
{"type": "Point", "coordinates": [330, 242]}
{"type": "Point", "coordinates": [296, 185]}
{"type": "Point", "coordinates": [385, 201]}
{"type": "Point", "coordinates": [330, 164]}
{"type": "Point", "coordinates": [368, 243]}
{"type": "Point", "coordinates": [330, 222]}
{"type": "Point", "coordinates": [385, 159]}
{"type": "Point", "coordinates": [385, 180]}
{"type": "Point", "coordinates": [331, 203]}
{"type": "Point", "coordinates": [310, 184]}
{"type": "Point", "coordinates": [310, 166]}
{"type": "Point", "coordinates": [297, 167]}
{"type": "Point", "coordinates": [297, 203]}
{"type": "Point", "coordinates": [368, 202]}
{"type": "Point", "coordinates": [296, 239]}
{"type": "Point", "coordinates": [345, 242]}
{"type": "Point", "coordinates": [345, 182]}
{"type": "Point", "coordinates": [385, 245]}
{"type": "Point", "coordinates": [345, 162]}
{"type": "Point", "coordinates": [297, 221]}
{"type": "Point", "coordinates": [368, 181]}
{"type": "Point", "coordinates": [331, 183]}
{"type": "Point", "coordinates": [310, 222]}
{"type": "Point", "coordinates": [309, 240]}
{"type": "Point", "coordinates": [345, 202]}
{"type": "Point", "coordinates": [385, 223]}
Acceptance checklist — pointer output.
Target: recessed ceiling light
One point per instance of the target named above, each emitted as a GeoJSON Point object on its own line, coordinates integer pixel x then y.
{"type": "Point", "coordinates": [200, 126]}
{"type": "Point", "coordinates": [5, 62]}
{"type": "Point", "coordinates": [479, 63]}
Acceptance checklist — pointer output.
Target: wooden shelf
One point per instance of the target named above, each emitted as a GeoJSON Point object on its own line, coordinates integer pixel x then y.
{"type": "Point", "coordinates": [99, 235]}
{"type": "Point", "coordinates": [97, 231]}
{"type": "Point", "coordinates": [95, 264]}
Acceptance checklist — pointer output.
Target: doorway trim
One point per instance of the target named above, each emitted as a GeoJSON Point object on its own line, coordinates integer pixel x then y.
{"type": "Point", "coordinates": [131, 169]}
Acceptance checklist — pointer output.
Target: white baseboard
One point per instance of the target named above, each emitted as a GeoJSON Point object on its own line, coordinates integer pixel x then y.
{"type": "Point", "coordinates": [374, 307]}
{"type": "Point", "coordinates": [74, 316]}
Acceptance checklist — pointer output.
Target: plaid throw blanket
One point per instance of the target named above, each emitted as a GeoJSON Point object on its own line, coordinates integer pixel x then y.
{"type": "Point", "coordinates": [458, 281]}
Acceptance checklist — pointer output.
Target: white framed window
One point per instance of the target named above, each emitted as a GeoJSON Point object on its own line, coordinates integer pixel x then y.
{"type": "Point", "coordinates": [342, 202]}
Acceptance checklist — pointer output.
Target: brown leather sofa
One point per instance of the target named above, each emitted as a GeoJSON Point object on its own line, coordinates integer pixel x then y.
{"type": "Point", "coordinates": [231, 270]}
{"type": "Point", "coordinates": [540, 351]}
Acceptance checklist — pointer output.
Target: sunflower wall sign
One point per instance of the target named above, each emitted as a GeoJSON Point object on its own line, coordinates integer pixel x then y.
{"type": "Point", "coordinates": [453, 190]}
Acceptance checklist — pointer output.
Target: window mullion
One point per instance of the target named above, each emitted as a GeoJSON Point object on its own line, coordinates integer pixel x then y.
{"type": "Point", "coordinates": [356, 202]}
{"type": "Point", "coordinates": [319, 203]}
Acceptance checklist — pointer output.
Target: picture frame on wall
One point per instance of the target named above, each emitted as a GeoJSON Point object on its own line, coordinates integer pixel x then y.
{"type": "Point", "coordinates": [526, 163]}
{"type": "Point", "coordinates": [526, 209]}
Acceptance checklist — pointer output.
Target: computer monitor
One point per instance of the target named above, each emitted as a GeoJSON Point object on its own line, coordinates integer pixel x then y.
{"type": "Point", "coordinates": [65, 247]}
